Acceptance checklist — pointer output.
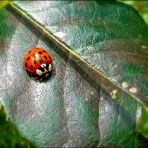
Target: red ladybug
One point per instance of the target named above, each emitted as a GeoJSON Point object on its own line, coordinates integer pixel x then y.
{"type": "Point", "coordinates": [38, 63]}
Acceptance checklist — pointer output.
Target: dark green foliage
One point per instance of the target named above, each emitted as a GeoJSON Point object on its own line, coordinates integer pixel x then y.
{"type": "Point", "coordinates": [5, 29]}
{"type": "Point", "coordinates": [9, 135]}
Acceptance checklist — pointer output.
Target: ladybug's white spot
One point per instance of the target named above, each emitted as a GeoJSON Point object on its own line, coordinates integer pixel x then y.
{"type": "Point", "coordinates": [43, 65]}
{"type": "Point", "coordinates": [133, 90]}
{"type": "Point", "coordinates": [50, 67]}
{"type": "Point", "coordinates": [60, 34]}
{"type": "Point", "coordinates": [124, 85]}
{"type": "Point", "coordinates": [39, 72]}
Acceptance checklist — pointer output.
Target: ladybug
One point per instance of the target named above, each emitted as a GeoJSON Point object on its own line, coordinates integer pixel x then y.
{"type": "Point", "coordinates": [38, 63]}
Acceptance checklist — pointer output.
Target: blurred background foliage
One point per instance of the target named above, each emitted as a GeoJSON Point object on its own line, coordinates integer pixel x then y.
{"type": "Point", "coordinates": [140, 5]}
{"type": "Point", "coordinates": [9, 135]}
{"type": "Point", "coordinates": [3, 3]}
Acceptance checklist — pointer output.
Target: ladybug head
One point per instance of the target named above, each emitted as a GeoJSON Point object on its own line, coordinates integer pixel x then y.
{"type": "Point", "coordinates": [44, 70]}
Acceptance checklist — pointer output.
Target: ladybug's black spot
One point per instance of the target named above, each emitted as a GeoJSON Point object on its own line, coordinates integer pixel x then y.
{"type": "Point", "coordinates": [45, 57]}
{"type": "Point", "coordinates": [29, 52]}
{"type": "Point", "coordinates": [31, 66]}
{"type": "Point", "coordinates": [34, 61]}
{"type": "Point", "coordinates": [41, 61]}
{"type": "Point", "coordinates": [47, 66]}
{"type": "Point", "coordinates": [40, 52]}
{"type": "Point", "coordinates": [33, 56]}
{"type": "Point", "coordinates": [44, 51]}
{"type": "Point", "coordinates": [28, 58]}
{"type": "Point", "coordinates": [40, 68]}
{"type": "Point", "coordinates": [25, 64]}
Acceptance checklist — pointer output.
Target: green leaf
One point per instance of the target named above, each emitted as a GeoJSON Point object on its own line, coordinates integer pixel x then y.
{"type": "Point", "coordinates": [5, 29]}
{"type": "Point", "coordinates": [142, 122]}
{"type": "Point", "coordinates": [3, 3]}
{"type": "Point", "coordinates": [141, 6]}
{"type": "Point", "coordinates": [9, 135]}
{"type": "Point", "coordinates": [100, 57]}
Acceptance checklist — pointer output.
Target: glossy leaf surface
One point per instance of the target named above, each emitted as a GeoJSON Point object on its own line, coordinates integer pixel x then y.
{"type": "Point", "coordinates": [69, 109]}
{"type": "Point", "coordinates": [111, 37]}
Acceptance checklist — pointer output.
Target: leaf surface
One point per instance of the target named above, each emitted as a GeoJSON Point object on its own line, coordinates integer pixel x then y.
{"type": "Point", "coordinates": [115, 35]}
{"type": "Point", "coordinates": [71, 109]}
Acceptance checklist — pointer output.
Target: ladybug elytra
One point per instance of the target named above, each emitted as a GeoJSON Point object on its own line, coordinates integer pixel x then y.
{"type": "Point", "coordinates": [38, 63]}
